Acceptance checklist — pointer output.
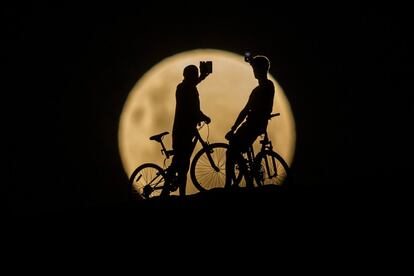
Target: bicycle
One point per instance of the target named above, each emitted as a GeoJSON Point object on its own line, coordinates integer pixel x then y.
{"type": "Point", "coordinates": [265, 168]}
{"type": "Point", "coordinates": [207, 169]}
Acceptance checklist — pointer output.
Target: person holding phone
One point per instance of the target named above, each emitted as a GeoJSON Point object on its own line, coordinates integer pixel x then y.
{"type": "Point", "coordinates": [252, 120]}
{"type": "Point", "coordinates": [187, 115]}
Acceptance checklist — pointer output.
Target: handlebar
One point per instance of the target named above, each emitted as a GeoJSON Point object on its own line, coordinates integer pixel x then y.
{"type": "Point", "coordinates": [274, 115]}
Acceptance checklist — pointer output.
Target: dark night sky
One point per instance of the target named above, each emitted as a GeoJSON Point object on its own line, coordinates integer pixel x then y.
{"type": "Point", "coordinates": [345, 70]}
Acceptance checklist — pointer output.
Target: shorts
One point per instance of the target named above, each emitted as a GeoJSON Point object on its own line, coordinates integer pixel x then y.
{"type": "Point", "coordinates": [244, 137]}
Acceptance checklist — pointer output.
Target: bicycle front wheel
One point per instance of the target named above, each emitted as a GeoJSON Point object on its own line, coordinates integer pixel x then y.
{"type": "Point", "coordinates": [272, 170]}
{"type": "Point", "coordinates": [208, 169]}
{"type": "Point", "coordinates": [146, 181]}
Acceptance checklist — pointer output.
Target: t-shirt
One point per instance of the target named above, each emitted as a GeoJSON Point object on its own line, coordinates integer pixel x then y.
{"type": "Point", "coordinates": [187, 112]}
{"type": "Point", "coordinates": [260, 105]}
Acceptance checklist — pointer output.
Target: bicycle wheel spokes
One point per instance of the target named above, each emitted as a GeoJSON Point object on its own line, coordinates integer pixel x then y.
{"type": "Point", "coordinates": [208, 169]}
{"type": "Point", "coordinates": [147, 181]}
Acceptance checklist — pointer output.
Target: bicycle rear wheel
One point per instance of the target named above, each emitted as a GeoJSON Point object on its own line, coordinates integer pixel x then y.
{"type": "Point", "coordinates": [146, 181]}
{"type": "Point", "coordinates": [272, 170]}
{"type": "Point", "coordinates": [208, 169]}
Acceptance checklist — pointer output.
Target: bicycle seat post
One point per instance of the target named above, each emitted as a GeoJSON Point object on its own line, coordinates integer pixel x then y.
{"type": "Point", "coordinates": [159, 138]}
{"type": "Point", "coordinates": [164, 150]}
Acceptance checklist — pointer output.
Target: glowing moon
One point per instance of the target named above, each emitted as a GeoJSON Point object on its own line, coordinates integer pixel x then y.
{"type": "Point", "coordinates": [150, 106]}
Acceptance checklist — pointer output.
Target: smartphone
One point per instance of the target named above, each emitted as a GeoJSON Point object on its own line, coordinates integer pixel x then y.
{"type": "Point", "coordinates": [206, 67]}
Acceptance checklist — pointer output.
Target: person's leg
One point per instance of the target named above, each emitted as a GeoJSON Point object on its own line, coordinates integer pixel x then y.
{"type": "Point", "coordinates": [169, 176]}
{"type": "Point", "coordinates": [172, 180]}
{"type": "Point", "coordinates": [230, 158]}
{"type": "Point", "coordinates": [251, 134]}
{"type": "Point", "coordinates": [174, 172]}
{"type": "Point", "coordinates": [183, 171]}
{"type": "Point", "coordinates": [183, 164]}
{"type": "Point", "coordinates": [240, 142]}
{"type": "Point", "coordinates": [236, 147]}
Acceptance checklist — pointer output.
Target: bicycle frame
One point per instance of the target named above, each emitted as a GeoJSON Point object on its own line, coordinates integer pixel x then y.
{"type": "Point", "coordinates": [197, 138]}
{"type": "Point", "coordinates": [165, 178]}
{"type": "Point", "coordinates": [266, 147]}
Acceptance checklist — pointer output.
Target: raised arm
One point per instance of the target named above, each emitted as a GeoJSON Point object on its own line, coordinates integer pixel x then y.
{"type": "Point", "coordinates": [202, 77]}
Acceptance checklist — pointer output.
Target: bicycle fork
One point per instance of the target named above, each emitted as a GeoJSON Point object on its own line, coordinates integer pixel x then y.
{"type": "Point", "coordinates": [210, 159]}
{"type": "Point", "coordinates": [209, 151]}
{"type": "Point", "coordinates": [269, 172]}
{"type": "Point", "coordinates": [267, 145]}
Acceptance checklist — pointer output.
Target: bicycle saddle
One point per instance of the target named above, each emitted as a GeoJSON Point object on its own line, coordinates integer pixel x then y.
{"type": "Point", "coordinates": [158, 137]}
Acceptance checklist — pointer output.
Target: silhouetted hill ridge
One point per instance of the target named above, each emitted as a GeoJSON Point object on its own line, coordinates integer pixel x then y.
{"type": "Point", "coordinates": [259, 215]}
{"type": "Point", "coordinates": [220, 204]}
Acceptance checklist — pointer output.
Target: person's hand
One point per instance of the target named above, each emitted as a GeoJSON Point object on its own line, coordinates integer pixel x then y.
{"type": "Point", "coordinates": [229, 135]}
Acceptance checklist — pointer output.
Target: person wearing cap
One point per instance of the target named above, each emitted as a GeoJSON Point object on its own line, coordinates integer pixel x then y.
{"type": "Point", "coordinates": [253, 119]}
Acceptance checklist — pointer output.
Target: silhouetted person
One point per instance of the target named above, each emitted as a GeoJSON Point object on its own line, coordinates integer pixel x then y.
{"type": "Point", "coordinates": [256, 114]}
{"type": "Point", "coordinates": [187, 116]}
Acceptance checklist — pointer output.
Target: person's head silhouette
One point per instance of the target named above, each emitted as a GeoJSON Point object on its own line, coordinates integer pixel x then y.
{"type": "Point", "coordinates": [191, 73]}
{"type": "Point", "coordinates": [261, 65]}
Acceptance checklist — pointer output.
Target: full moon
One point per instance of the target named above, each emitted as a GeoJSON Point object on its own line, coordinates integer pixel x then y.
{"type": "Point", "coordinates": [150, 106]}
